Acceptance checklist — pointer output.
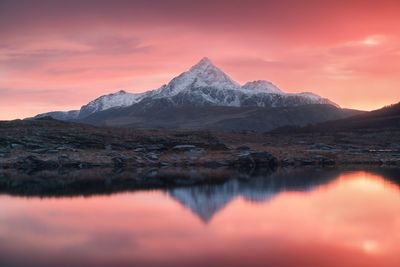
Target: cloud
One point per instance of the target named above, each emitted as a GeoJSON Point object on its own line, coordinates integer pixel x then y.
{"type": "Point", "coordinates": [100, 46]}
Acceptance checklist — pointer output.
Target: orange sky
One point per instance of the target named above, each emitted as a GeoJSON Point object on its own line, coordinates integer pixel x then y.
{"type": "Point", "coordinates": [58, 56]}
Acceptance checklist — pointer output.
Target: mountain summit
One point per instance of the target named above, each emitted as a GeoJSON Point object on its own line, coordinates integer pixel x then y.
{"type": "Point", "coordinates": [202, 75]}
{"type": "Point", "coordinates": [203, 85]}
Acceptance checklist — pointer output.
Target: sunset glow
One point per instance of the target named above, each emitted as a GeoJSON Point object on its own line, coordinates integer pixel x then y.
{"type": "Point", "coordinates": [353, 220]}
{"type": "Point", "coordinates": [58, 55]}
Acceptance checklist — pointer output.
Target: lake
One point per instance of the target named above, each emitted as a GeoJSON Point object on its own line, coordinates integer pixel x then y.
{"type": "Point", "coordinates": [314, 218]}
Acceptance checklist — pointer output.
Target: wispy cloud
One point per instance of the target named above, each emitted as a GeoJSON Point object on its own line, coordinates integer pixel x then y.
{"type": "Point", "coordinates": [94, 47]}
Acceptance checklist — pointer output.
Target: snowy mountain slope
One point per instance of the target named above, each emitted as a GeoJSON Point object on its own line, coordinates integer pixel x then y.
{"type": "Point", "coordinates": [203, 74]}
{"type": "Point", "coordinates": [113, 100]}
{"type": "Point", "coordinates": [205, 84]}
{"type": "Point", "coordinates": [202, 85]}
{"type": "Point", "coordinates": [118, 99]}
{"type": "Point", "coordinates": [261, 87]}
{"type": "Point", "coordinates": [61, 115]}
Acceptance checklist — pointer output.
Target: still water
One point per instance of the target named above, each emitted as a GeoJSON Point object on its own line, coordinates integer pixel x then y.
{"type": "Point", "coordinates": [339, 218]}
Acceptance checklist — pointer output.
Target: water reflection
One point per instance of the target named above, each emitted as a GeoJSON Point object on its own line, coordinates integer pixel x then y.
{"type": "Point", "coordinates": [306, 219]}
{"type": "Point", "coordinates": [205, 200]}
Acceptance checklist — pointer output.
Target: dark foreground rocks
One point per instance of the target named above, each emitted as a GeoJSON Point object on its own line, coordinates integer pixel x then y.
{"type": "Point", "coordinates": [32, 164]}
{"type": "Point", "coordinates": [32, 146]}
{"type": "Point", "coordinates": [250, 159]}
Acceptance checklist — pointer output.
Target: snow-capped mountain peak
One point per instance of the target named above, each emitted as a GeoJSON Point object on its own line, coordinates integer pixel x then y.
{"type": "Point", "coordinates": [202, 75]}
{"type": "Point", "coordinates": [204, 63]}
{"type": "Point", "coordinates": [117, 99]}
{"type": "Point", "coordinates": [203, 84]}
{"type": "Point", "coordinates": [262, 86]}
{"type": "Point", "coordinates": [207, 74]}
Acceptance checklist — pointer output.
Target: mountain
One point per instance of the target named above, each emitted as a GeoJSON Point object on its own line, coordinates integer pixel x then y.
{"type": "Point", "coordinates": [387, 117]}
{"type": "Point", "coordinates": [162, 114]}
{"type": "Point", "coordinates": [61, 115]}
{"type": "Point", "coordinates": [206, 85]}
{"type": "Point", "coordinates": [206, 200]}
{"type": "Point", "coordinates": [206, 89]}
{"type": "Point", "coordinates": [118, 99]}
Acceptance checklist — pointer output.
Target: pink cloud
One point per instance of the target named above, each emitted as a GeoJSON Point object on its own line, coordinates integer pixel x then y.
{"type": "Point", "coordinates": [139, 45]}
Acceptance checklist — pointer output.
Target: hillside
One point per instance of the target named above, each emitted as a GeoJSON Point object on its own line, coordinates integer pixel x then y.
{"type": "Point", "coordinates": [216, 117]}
{"type": "Point", "coordinates": [385, 118]}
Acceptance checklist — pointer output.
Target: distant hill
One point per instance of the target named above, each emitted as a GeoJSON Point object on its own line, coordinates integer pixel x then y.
{"type": "Point", "coordinates": [386, 117]}
{"type": "Point", "coordinates": [257, 119]}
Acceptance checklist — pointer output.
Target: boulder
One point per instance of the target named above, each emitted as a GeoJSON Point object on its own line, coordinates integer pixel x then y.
{"type": "Point", "coordinates": [65, 162]}
{"type": "Point", "coordinates": [255, 160]}
{"type": "Point", "coordinates": [40, 150]}
{"type": "Point", "coordinates": [321, 160]}
{"type": "Point", "coordinates": [31, 163]}
{"type": "Point", "coordinates": [218, 146]}
{"type": "Point", "coordinates": [119, 161]}
{"type": "Point", "coordinates": [184, 147]}
{"type": "Point", "coordinates": [264, 159]}
{"type": "Point", "coordinates": [322, 147]}
{"type": "Point", "coordinates": [157, 147]}
{"type": "Point", "coordinates": [152, 157]}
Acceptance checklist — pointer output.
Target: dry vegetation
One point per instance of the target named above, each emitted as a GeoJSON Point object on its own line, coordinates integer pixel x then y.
{"type": "Point", "coordinates": [25, 144]}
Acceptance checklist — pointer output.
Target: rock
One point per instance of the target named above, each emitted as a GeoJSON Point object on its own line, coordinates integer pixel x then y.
{"type": "Point", "coordinates": [152, 157]}
{"type": "Point", "coordinates": [140, 149]}
{"type": "Point", "coordinates": [34, 146]}
{"type": "Point", "coordinates": [288, 162]}
{"type": "Point", "coordinates": [40, 150]}
{"type": "Point", "coordinates": [195, 154]}
{"type": "Point", "coordinates": [264, 159]}
{"type": "Point", "coordinates": [16, 146]}
{"type": "Point", "coordinates": [306, 162]}
{"type": "Point", "coordinates": [87, 165]}
{"type": "Point", "coordinates": [119, 161]}
{"type": "Point", "coordinates": [64, 148]}
{"type": "Point", "coordinates": [321, 160]}
{"type": "Point", "coordinates": [244, 160]}
{"type": "Point", "coordinates": [241, 148]}
{"type": "Point", "coordinates": [108, 147]}
{"type": "Point", "coordinates": [255, 159]}
{"type": "Point", "coordinates": [159, 147]}
{"type": "Point", "coordinates": [146, 148]}
{"type": "Point", "coordinates": [392, 162]}
{"type": "Point", "coordinates": [63, 159]}
{"type": "Point", "coordinates": [32, 163]}
{"type": "Point", "coordinates": [183, 147]}
{"type": "Point", "coordinates": [216, 164]}
{"type": "Point", "coordinates": [65, 162]}
{"type": "Point", "coordinates": [322, 147]}
{"type": "Point", "coordinates": [4, 153]}
{"type": "Point", "coordinates": [218, 146]}
{"type": "Point", "coordinates": [52, 151]}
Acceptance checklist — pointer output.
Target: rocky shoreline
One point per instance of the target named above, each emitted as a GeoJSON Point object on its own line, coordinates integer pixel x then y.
{"type": "Point", "coordinates": [36, 145]}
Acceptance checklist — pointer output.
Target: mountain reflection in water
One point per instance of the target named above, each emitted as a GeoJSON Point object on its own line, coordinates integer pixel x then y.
{"type": "Point", "coordinates": [310, 218]}
{"type": "Point", "coordinates": [206, 200]}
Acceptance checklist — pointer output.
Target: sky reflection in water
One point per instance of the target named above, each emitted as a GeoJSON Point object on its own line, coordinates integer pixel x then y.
{"type": "Point", "coordinates": [350, 220]}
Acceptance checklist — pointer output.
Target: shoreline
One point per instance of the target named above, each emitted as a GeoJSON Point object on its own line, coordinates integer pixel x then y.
{"type": "Point", "coordinates": [106, 181]}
